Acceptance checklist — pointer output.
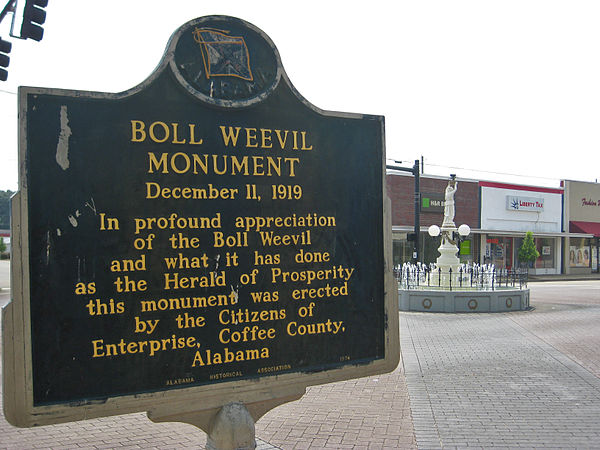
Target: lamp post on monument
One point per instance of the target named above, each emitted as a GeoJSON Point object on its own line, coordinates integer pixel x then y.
{"type": "Point", "coordinates": [448, 248]}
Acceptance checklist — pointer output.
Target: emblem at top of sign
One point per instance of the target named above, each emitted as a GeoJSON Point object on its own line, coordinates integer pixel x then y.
{"type": "Point", "coordinates": [225, 61]}
{"type": "Point", "coordinates": [223, 55]}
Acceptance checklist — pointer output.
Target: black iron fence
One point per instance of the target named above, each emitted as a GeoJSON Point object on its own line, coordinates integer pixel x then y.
{"type": "Point", "coordinates": [423, 277]}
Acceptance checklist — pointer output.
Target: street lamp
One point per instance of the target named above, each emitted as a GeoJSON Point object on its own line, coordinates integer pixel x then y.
{"type": "Point", "coordinates": [434, 231]}
{"type": "Point", "coordinates": [464, 230]}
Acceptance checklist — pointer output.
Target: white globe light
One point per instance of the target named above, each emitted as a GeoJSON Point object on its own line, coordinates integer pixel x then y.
{"type": "Point", "coordinates": [434, 231]}
{"type": "Point", "coordinates": [464, 229]}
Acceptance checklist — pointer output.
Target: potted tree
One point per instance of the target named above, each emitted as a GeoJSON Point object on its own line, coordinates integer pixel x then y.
{"type": "Point", "coordinates": [528, 253]}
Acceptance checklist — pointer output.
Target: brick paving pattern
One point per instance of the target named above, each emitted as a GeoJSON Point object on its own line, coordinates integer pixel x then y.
{"type": "Point", "coordinates": [370, 412]}
{"type": "Point", "coordinates": [514, 380]}
{"type": "Point", "coordinates": [572, 331]}
{"type": "Point", "coordinates": [484, 380]}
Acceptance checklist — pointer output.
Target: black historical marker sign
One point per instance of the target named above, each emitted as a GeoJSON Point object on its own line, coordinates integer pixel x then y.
{"type": "Point", "coordinates": [208, 227]}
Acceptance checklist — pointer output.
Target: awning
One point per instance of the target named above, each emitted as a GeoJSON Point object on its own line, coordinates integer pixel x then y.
{"type": "Point", "coordinates": [584, 227]}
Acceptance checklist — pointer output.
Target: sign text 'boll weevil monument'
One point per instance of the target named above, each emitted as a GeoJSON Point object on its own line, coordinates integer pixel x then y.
{"type": "Point", "coordinates": [202, 247]}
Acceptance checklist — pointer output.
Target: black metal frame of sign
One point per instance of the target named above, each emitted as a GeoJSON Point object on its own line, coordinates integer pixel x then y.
{"type": "Point", "coordinates": [207, 233]}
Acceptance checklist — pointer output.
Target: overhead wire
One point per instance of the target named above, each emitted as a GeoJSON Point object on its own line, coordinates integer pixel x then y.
{"type": "Point", "coordinates": [491, 171]}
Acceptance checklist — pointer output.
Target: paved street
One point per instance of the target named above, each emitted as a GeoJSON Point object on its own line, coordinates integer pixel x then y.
{"type": "Point", "coordinates": [528, 379]}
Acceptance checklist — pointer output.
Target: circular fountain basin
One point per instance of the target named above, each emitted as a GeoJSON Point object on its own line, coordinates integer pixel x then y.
{"type": "Point", "coordinates": [463, 301]}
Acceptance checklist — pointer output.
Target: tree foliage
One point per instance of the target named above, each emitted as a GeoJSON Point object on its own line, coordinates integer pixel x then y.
{"type": "Point", "coordinates": [528, 252]}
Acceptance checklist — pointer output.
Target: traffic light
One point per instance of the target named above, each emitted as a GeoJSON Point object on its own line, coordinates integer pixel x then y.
{"type": "Point", "coordinates": [33, 17]}
{"type": "Point", "coordinates": [5, 47]}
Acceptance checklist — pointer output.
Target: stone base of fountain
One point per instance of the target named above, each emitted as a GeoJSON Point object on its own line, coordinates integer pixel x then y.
{"type": "Point", "coordinates": [463, 301]}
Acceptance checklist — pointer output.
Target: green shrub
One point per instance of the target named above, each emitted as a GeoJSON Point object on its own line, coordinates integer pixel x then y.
{"type": "Point", "coordinates": [528, 253]}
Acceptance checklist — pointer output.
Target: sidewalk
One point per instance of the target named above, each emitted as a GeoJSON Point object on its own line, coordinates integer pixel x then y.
{"type": "Point", "coordinates": [561, 277]}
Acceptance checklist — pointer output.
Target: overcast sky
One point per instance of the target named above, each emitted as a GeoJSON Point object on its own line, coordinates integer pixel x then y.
{"type": "Point", "coordinates": [499, 87]}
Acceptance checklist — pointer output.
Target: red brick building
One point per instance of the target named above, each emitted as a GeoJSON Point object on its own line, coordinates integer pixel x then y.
{"type": "Point", "coordinates": [400, 187]}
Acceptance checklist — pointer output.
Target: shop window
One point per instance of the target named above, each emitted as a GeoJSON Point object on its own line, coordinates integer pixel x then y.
{"type": "Point", "coordinates": [429, 248]}
{"type": "Point", "coordinates": [403, 250]}
{"type": "Point", "coordinates": [499, 252]}
{"type": "Point", "coordinates": [546, 248]}
{"type": "Point", "coordinates": [580, 254]}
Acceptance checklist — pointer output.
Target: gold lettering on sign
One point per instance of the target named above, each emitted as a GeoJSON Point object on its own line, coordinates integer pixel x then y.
{"type": "Point", "coordinates": [219, 288]}
{"type": "Point", "coordinates": [263, 138]}
{"type": "Point", "coordinates": [256, 166]}
{"type": "Point", "coordinates": [161, 132]}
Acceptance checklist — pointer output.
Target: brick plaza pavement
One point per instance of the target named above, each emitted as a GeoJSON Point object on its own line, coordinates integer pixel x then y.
{"type": "Point", "coordinates": [487, 381]}
{"type": "Point", "coordinates": [527, 379]}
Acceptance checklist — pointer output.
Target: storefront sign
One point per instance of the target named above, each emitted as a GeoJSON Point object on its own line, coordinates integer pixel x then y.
{"type": "Point", "coordinates": [590, 202]}
{"type": "Point", "coordinates": [508, 207]}
{"type": "Point", "coordinates": [583, 199]}
{"type": "Point", "coordinates": [432, 202]}
{"type": "Point", "coordinates": [515, 203]}
{"type": "Point", "coordinates": [465, 248]}
{"type": "Point", "coordinates": [197, 231]}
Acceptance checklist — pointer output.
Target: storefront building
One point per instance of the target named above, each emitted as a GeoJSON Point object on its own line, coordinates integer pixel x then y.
{"type": "Point", "coordinates": [401, 190]}
{"type": "Point", "coordinates": [565, 222]}
{"type": "Point", "coordinates": [582, 221]}
{"type": "Point", "coordinates": [508, 211]}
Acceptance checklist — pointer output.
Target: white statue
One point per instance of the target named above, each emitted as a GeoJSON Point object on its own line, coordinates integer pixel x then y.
{"type": "Point", "coordinates": [448, 248]}
{"type": "Point", "coordinates": [449, 204]}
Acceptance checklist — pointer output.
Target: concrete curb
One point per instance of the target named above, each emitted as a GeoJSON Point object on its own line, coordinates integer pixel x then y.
{"type": "Point", "coordinates": [544, 278]}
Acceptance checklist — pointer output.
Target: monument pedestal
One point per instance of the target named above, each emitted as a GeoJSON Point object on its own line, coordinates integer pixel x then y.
{"type": "Point", "coordinates": [448, 258]}
{"type": "Point", "coordinates": [448, 250]}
